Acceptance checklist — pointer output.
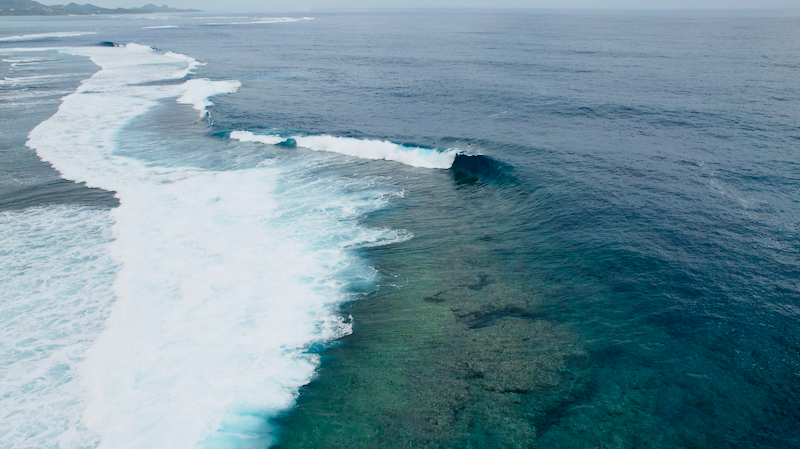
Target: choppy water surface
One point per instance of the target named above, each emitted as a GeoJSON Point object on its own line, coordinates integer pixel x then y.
{"type": "Point", "coordinates": [417, 229]}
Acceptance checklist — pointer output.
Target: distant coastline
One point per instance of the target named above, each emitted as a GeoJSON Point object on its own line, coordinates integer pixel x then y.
{"type": "Point", "coordinates": [34, 8]}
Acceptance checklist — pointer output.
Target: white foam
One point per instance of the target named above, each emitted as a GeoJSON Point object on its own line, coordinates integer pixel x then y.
{"type": "Point", "coordinates": [19, 97]}
{"type": "Point", "coordinates": [33, 37]}
{"type": "Point", "coordinates": [362, 148]}
{"type": "Point", "coordinates": [225, 279]}
{"type": "Point", "coordinates": [247, 136]}
{"type": "Point", "coordinates": [27, 50]}
{"type": "Point", "coordinates": [24, 66]}
{"type": "Point", "coordinates": [56, 274]}
{"type": "Point", "coordinates": [279, 19]}
{"type": "Point", "coordinates": [22, 60]}
{"type": "Point", "coordinates": [264, 20]}
{"type": "Point", "coordinates": [33, 79]}
{"type": "Point", "coordinates": [199, 90]}
{"type": "Point", "coordinates": [161, 26]}
{"type": "Point", "coordinates": [87, 120]}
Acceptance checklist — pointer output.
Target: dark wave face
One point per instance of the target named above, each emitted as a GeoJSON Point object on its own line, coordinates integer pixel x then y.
{"type": "Point", "coordinates": [543, 230]}
{"type": "Point", "coordinates": [473, 168]}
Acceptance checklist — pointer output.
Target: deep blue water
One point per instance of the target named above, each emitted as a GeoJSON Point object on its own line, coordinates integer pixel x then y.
{"type": "Point", "coordinates": [613, 261]}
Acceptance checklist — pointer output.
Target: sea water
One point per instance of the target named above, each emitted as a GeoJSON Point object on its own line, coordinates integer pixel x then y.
{"type": "Point", "coordinates": [417, 228]}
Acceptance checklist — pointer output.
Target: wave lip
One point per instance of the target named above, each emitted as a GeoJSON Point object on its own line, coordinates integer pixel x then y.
{"type": "Point", "coordinates": [362, 148]}
{"type": "Point", "coordinates": [247, 136]}
{"type": "Point", "coordinates": [198, 92]}
{"type": "Point", "coordinates": [33, 37]}
{"type": "Point", "coordinates": [263, 20]}
{"type": "Point", "coordinates": [280, 19]}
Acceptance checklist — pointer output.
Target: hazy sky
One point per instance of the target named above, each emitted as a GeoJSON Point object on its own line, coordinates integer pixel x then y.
{"type": "Point", "coordinates": [299, 5]}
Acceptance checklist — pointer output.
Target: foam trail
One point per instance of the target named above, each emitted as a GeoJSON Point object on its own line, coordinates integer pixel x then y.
{"type": "Point", "coordinates": [32, 80]}
{"type": "Point", "coordinates": [33, 37]}
{"type": "Point", "coordinates": [24, 64]}
{"type": "Point", "coordinates": [23, 60]}
{"type": "Point", "coordinates": [27, 50]}
{"type": "Point", "coordinates": [225, 278]}
{"type": "Point", "coordinates": [362, 148]}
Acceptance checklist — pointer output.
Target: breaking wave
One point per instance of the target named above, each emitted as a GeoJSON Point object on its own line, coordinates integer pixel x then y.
{"type": "Point", "coordinates": [221, 279]}
{"type": "Point", "coordinates": [362, 148]}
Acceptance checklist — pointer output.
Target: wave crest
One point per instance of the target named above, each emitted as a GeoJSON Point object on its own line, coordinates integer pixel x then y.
{"type": "Point", "coordinates": [362, 148]}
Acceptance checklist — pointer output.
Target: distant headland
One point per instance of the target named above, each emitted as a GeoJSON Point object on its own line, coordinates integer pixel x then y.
{"type": "Point", "coordinates": [33, 8]}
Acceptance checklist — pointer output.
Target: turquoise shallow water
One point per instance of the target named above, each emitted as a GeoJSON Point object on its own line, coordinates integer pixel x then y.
{"type": "Point", "coordinates": [613, 262]}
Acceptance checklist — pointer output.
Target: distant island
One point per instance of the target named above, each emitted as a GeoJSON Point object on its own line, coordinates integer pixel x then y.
{"type": "Point", "coordinates": [33, 8]}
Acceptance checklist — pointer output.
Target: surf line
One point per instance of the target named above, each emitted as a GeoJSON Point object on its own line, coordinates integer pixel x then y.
{"type": "Point", "coordinates": [217, 296]}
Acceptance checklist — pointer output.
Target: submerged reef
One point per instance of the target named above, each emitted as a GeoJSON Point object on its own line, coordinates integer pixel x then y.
{"type": "Point", "coordinates": [455, 349]}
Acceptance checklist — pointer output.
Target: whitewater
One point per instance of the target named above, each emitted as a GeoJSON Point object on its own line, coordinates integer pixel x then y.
{"type": "Point", "coordinates": [361, 148]}
{"type": "Point", "coordinates": [185, 316]}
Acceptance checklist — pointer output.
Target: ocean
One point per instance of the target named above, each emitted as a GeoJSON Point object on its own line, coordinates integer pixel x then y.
{"type": "Point", "coordinates": [400, 229]}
